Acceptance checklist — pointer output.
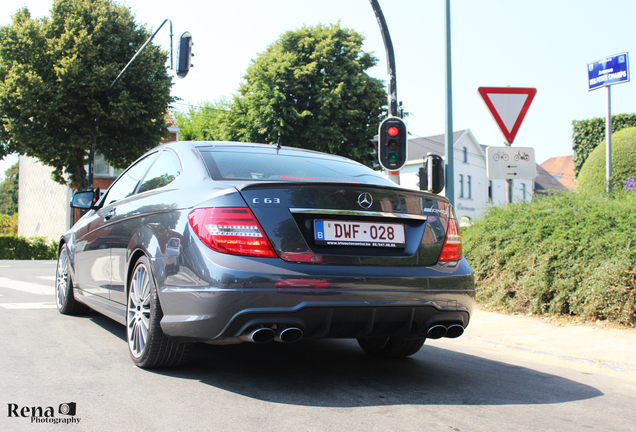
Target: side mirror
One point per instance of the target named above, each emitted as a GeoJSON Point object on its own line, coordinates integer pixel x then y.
{"type": "Point", "coordinates": [85, 199]}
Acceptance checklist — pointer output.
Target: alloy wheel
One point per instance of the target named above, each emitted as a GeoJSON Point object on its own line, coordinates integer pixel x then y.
{"type": "Point", "coordinates": [138, 317]}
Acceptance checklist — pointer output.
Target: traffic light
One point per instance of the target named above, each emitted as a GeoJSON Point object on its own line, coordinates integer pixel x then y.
{"type": "Point", "coordinates": [423, 183]}
{"type": "Point", "coordinates": [393, 143]}
{"type": "Point", "coordinates": [373, 155]}
{"type": "Point", "coordinates": [184, 55]}
{"type": "Point", "coordinates": [432, 174]}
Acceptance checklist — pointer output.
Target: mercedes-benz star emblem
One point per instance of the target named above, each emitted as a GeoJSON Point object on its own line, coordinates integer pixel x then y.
{"type": "Point", "coordinates": [365, 200]}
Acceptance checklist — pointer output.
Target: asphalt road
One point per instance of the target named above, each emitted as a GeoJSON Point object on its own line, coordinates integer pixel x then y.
{"type": "Point", "coordinates": [474, 383]}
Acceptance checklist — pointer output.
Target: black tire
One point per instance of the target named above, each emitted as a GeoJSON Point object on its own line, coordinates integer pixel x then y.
{"type": "Point", "coordinates": [390, 346]}
{"type": "Point", "coordinates": [149, 347]}
{"type": "Point", "coordinates": [64, 297]}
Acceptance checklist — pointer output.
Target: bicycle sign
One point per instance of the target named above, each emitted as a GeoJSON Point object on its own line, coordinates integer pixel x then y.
{"type": "Point", "coordinates": [510, 163]}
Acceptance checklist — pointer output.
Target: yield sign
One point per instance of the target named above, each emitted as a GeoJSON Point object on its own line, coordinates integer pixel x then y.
{"type": "Point", "coordinates": [508, 106]}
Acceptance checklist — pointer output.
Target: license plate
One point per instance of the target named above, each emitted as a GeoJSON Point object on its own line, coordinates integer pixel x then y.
{"type": "Point", "coordinates": [355, 233]}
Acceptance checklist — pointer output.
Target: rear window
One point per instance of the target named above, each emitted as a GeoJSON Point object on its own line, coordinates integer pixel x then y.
{"type": "Point", "coordinates": [286, 165]}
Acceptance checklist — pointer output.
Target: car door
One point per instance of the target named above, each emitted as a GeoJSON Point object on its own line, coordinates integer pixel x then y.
{"type": "Point", "coordinates": [98, 236]}
{"type": "Point", "coordinates": [132, 214]}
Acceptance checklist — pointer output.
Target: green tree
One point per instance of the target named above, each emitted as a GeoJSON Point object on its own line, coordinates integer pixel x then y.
{"type": "Point", "coordinates": [205, 122]}
{"type": "Point", "coordinates": [311, 89]}
{"type": "Point", "coordinates": [54, 75]}
{"type": "Point", "coordinates": [9, 191]}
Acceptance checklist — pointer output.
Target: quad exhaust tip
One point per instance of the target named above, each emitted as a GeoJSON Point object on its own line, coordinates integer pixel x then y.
{"type": "Point", "coordinates": [260, 335]}
{"type": "Point", "coordinates": [265, 335]}
{"type": "Point", "coordinates": [436, 332]}
{"type": "Point", "coordinates": [454, 331]}
{"type": "Point", "coordinates": [289, 335]}
{"type": "Point", "coordinates": [439, 331]}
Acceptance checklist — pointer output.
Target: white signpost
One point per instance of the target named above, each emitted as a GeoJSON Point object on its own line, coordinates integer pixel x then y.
{"type": "Point", "coordinates": [508, 106]}
{"type": "Point", "coordinates": [511, 163]}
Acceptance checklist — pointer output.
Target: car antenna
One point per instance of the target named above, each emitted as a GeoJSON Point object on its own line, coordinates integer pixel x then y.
{"type": "Point", "coordinates": [277, 145]}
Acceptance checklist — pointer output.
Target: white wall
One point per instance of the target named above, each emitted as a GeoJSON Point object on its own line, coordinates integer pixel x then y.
{"type": "Point", "coordinates": [43, 205]}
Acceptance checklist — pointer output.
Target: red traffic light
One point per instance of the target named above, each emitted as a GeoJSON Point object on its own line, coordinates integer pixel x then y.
{"type": "Point", "coordinates": [393, 131]}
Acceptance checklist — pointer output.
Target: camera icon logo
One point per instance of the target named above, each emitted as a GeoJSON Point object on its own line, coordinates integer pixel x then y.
{"type": "Point", "coordinates": [68, 408]}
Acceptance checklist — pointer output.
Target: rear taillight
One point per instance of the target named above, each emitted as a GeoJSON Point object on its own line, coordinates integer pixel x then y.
{"type": "Point", "coordinates": [452, 250]}
{"type": "Point", "coordinates": [231, 230]}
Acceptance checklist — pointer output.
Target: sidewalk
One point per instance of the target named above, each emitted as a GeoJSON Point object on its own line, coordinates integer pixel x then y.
{"type": "Point", "coordinates": [608, 347]}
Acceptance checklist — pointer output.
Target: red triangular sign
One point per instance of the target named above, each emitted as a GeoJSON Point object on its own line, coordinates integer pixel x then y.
{"type": "Point", "coordinates": [508, 105]}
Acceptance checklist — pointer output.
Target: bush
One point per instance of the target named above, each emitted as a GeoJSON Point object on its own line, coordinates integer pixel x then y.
{"type": "Point", "coordinates": [588, 134]}
{"type": "Point", "coordinates": [592, 176]}
{"type": "Point", "coordinates": [8, 224]}
{"type": "Point", "coordinates": [13, 247]}
{"type": "Point", "coordinates": [568, 254]}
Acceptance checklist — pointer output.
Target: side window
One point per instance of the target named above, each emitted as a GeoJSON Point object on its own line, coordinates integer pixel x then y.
{"type": "Point", "coordinates": [126, 184]}
{"type": "Point", "coordinates": [164, 171]}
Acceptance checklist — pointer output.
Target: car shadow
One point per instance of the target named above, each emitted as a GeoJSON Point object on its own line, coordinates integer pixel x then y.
{"type": "Point", "coordinates": [337, 373]}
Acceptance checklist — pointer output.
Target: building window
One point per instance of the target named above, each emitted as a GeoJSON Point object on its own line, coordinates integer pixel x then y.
{"type": "Point", "coordinates": [465, 155]}
{"type": "Point", "coordinates": [490, 190]}
{"type": "Point", "coordinates": [461, 186]}
{"type": "Point", "coordinates": [524, 192]}
{"type": "Point", "coordinates": [102, 169]}
{"type": "Point", "coordinates": [469, 186]}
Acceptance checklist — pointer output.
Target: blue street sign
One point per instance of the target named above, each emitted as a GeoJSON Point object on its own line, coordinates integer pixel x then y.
{"type": "Point", "coordinates": [607, 71]}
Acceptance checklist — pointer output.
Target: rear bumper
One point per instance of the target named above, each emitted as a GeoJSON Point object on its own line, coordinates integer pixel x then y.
{"type": "Point", "coordinates": [222, 301]}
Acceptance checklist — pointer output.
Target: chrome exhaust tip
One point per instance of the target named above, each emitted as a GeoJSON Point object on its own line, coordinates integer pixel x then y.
{"type": "Point", "coordinates": [436, 332]}
{"type": "Point", "coordinates": [289, 335]}
{"type": "Point", "coordinates": [454, 331]}
{"type": "Point", "coordinates": [260, 335]}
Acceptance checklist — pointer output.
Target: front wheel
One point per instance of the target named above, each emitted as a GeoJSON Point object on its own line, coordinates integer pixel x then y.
{"type": "Point", "coordinates": [149, 346]}
{"type": "Point", "coordinates": [390, 346]}
{"type": "Point", "coordinates": [64, 297]}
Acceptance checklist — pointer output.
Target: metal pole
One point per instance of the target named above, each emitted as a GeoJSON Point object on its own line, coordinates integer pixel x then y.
{"type": "Point", "coordinates": [449, 151]}
{"type": "Point", "coordinates": [390, 57]}
{"type": "Point", "coordinates": [608, 142]}
{"type": "Point", "coordinates": [91, 153]}
{"type": "Point", "coordinates": [509, 184]}
{"type": "Point", "coordinates": [390, 66]}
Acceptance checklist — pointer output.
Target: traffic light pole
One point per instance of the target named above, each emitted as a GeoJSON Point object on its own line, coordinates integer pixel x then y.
{"type": "Point", "coordinates": [390, 57]}
{"type": "Point", "coordinates": [390, 65]}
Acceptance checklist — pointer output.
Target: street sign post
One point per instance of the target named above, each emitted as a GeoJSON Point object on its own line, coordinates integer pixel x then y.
{"type": "Point", "coordinates": [508, 106]}
{"type": "Point", "coordinates": [510, 163]}
{"type": "Point", "coordinates": [604, 73]}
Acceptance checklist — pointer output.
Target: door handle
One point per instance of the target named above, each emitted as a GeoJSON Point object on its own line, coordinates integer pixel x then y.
{"type": "Point", "coordinates": [110, 214]}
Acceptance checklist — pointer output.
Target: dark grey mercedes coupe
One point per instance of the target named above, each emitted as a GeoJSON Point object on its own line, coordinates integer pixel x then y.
{"type": "Point", "coordinates": [223, 242]}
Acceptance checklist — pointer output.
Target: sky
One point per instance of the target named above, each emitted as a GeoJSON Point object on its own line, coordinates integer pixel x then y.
{"type": "Point", "coordinates": [544, 44]}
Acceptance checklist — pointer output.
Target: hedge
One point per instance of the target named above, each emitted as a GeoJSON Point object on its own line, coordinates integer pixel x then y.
{"type": "Point", "coordinates": [570, 254]}
{"type": "Point", "coordinates": [13, 247]}
{"type": "Point", "coordinates": [588, 134]}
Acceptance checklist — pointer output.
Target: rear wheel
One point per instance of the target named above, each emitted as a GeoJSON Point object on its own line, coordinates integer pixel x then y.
{"type": "Point", "coordinates": [390, 346]}
{"type": "Point", "coordinates": [149, 346]}
{"type": "Point", "coordinates": [64, 298]}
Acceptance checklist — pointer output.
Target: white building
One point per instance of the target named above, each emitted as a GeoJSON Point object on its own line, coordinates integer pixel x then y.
{"type": "Point", "coordinates": [473, 190]}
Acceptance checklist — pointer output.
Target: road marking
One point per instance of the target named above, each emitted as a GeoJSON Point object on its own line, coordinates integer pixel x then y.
{"type": "Point", "coordinates": [28, 305]}
{"type": "Point", "coordinates": [27, 287]}
{"type": "Point", "coordinates": [49, 278]}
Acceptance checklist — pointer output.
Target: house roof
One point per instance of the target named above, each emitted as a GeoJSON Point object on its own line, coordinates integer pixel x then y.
{"type": "Point", "coordinates": [546, 183]}
{"type": "Point", "coordinates": [562, 169]}
{"type": "Point", "coordinates": [420, 147]}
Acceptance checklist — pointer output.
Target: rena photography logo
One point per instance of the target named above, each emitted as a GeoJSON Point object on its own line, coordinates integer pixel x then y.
{"type": "Point", "coordinates": [65, 414]}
